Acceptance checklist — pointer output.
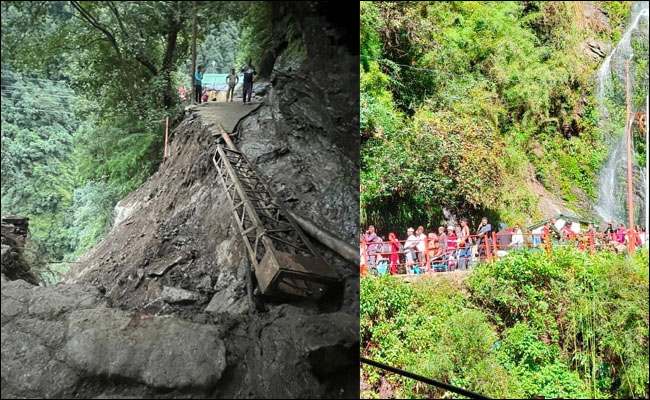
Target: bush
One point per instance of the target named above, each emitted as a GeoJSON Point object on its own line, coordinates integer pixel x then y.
{"type": "Point", "coordinates": [569, 324]}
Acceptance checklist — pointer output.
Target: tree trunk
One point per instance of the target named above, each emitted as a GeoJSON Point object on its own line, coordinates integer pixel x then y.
{"type": "Point", "coordinates": [193, 50]}
{"type": "Point", "coordinates": [168, 61]}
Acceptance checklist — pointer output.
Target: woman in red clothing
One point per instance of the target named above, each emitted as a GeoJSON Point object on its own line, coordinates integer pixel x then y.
{"type": "Point", "coordinates": [394, 253]}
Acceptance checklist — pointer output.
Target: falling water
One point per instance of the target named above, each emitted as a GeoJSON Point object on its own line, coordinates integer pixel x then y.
{"type": "Point", "coordinates": [612, 186]}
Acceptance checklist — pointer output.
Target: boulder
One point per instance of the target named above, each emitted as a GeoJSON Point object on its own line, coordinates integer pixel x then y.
{"type": "Point", "coordinates": [229, 300]}
{"type": "Point", "coordinates": [595, 49]}
{"type": "Point", "coordinates": [175, 295]}
{"type": "Point", "coordinates": [159, 352]}
{"type": "Point", "coordinates": [63, 341]}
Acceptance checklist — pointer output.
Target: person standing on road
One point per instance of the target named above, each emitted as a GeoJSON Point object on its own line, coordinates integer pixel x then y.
{"type": "Point", "coordinates": [232, 79]}
{"type": "Point", "coordinates": [248, 71]}
{"type": "Point", "coordinates": [421, 246]}
{"type": "Point", "coordinates": [410, 248]}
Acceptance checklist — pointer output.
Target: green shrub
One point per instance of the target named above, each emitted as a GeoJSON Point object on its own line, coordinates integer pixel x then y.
{"type": "Point", "coordinates": [569, 324]}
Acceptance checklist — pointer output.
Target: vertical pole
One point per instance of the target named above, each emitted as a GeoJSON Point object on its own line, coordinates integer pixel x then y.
{"type": "Point", "coordinates": [630, 197]}
{"type": "Point", "coordinates": [166, 133]}
{"type": "Point", "coordinates": [494, 243]}
{"type": "Point", "coordinates": [193, 50]}
{"type": "Point", "coordinates": [647, 169]}
{"type": "Point", "coordinates": [487, 246]}
{"type": "Point", "coordinates": [591, 242]}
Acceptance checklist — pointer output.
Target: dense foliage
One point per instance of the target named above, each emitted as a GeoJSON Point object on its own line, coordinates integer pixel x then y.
{"type": "Point", "coordinates": [568, 325]}
{"type": "Point", "coordinates": [85, 90]}
{"type": "Point", "coordinates": [503, 86]}
{"type": "Point", "coordinates": [38, 129]}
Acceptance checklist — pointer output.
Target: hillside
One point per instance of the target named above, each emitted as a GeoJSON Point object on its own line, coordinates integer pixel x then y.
{"type": "Point", "coordinates": [492, 109]}
{"type": "Point", "coordinates": [158, 308]}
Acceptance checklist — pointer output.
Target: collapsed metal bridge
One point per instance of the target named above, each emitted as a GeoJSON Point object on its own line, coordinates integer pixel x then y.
{"type": "Point", "coordinates": [283, 260]}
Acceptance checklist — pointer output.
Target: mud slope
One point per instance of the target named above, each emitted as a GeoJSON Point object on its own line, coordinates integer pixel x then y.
{"type": "Point", "coordinates": [158, 308]}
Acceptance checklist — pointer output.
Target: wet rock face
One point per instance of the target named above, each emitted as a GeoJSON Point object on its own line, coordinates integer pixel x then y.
{"type": "Point", "coordinates": [58, 341]}
{"type": "Point", "coordinates": [14, 233]}
{"type": "Point", "coordinates": [595, 49]}
{"type": "Point", "coordinates": [297, 354]}
{"type": "Point", "coordinates": [304, 139]}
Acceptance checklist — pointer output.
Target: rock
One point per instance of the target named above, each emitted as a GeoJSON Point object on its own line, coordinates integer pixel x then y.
{"type": "Point", "coordinates": [271, 154]}
{"type": "Point", "coordinates": [63, 341]}
{"type": "Point", "coordinates": [174, 295]}
{"type": "Point", "coordinates": [262, 88]}
{"type": "Point", "coordinates": [14, 231]}
{"type": "Point", "coordinates": [298, 350]}
{"type": "Point", "coordinates": [159, 352]}
{"type": "Point", "coordinates": [156, 307]}
{"type": "Point", "coordinates": [595, 16]}
{"type": "Point", "coordinates": [161, 266]}
{"type": "Point", "coordinates": [595, 49]}
{"type": "Point", "coordinates": [228, 301]}
{"type": "Point", "coordinates": [18, 221]}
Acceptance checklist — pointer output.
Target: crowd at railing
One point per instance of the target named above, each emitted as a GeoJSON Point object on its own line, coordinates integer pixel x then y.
{"type": "Point", "coordinates": [454, 248]}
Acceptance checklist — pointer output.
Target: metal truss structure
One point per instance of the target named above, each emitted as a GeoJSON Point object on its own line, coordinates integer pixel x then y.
{"type": "Point", "coordinates": [285, 263]}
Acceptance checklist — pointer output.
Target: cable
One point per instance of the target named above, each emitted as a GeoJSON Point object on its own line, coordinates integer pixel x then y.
{"type": "Point", "coordinates": [423, 379]}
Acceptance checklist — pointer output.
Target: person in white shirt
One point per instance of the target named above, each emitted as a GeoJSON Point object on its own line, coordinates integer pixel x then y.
{"type": "Point", "coordinates": [517, 241]}
{"type": "Point", "coordinates": [421, 246]}
{"type": "Point", "coordinates": [410, 246]}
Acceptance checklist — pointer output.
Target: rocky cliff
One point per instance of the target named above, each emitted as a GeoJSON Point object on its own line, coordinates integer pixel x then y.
{"type": "Point", "coordinates": [158, 308]}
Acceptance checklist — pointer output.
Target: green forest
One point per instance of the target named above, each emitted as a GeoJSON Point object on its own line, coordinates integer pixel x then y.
{"type": "Point", "coordinates": [86, 88]}
{"type": "Point", "coordinates": [464, 105]}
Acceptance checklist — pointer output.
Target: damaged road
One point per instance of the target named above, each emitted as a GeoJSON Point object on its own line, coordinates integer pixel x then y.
{"type": "Point", "coordinates": [158, 308]}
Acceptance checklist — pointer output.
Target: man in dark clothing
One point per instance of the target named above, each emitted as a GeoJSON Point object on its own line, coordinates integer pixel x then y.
{"type": "Point", "coordinates": [197, 85]}
{"type": "Point", "coordinates": [503, 237]}
{"type": "Point", "coordinates": [247, 88]}
{"type": "Point", "coordinates": [610, 232]}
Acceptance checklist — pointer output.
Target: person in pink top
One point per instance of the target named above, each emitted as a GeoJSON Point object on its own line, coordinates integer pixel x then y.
{"type": "Point", "coordinates": [620, 233]}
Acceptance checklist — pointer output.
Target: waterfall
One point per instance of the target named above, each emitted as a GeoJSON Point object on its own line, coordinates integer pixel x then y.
{"type": "Point", "coordinates": [612, 183]}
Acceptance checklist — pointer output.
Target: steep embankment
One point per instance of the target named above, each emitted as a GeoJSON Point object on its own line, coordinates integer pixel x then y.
{"type": "Point", "coordinates": [482, 109]}
{"type": "Point", "coordinates": [158, 308]}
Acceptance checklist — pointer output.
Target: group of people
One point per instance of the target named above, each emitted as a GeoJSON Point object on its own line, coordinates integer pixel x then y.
{"type": "Point", "coordinates": [447, 249]}
{"type": "Point", "coordinates": [454, 247]}
{"type": "Point", "coordinates": [621, 235]}
{"type": "Point", "coordinates": [202, 95]}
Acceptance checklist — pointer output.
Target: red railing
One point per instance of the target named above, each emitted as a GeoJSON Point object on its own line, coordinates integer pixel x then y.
{"type": "Point", "coordinates": [445, 256]}
{"type": "Point", "coordinates": [480, 249]}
